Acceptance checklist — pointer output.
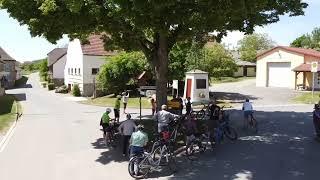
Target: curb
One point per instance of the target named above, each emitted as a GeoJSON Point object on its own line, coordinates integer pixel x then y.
{"type": "Point", "coordinates": [8, 134]}
{"type": "Point", "coordinates": [6, 138]}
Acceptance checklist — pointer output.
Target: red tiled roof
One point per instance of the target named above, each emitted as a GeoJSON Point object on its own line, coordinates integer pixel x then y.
{"type": "Point", "coordinates": [309, 52]}
{"type": "Point", "coordinates": [304, 68]}
{"type": "Point", "coordinates": [95, 47]}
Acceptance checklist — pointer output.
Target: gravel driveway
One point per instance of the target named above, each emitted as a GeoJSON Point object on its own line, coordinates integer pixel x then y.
{"type": "Point", "coordinates": [239, 91]}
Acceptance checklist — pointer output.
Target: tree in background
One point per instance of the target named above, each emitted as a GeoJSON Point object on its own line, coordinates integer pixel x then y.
{"type": "Point", "coordinates": [177, 61]}
{"type": "Point", "coordinates": [120, 71]}
{"type": "Point", "coordinates": [250, 46]}
{"type": "Point", "coordinates": [308, 40]}
{"type": "Point", "coordinates": [152, 27]}
{"type": "Point", "coordinates": [43, 69]}
{"type": "Point", "coordinates": [214, 59]}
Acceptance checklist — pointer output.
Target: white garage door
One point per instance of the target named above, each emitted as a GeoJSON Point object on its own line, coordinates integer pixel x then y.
{"type": "Point", "coordinates": [279, 74]}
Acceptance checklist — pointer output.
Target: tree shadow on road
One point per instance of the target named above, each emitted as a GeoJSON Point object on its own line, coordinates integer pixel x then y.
{"type": "Point", "coordinates": [110, 154]}
{"type": "Point", "coordinates": [283, 149]}
{"type": "Point", "coordinates": [232, 97]}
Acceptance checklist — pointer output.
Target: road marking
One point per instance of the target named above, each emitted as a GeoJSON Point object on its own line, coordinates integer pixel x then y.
{"type": "Point", "coordinates": [4, 142]}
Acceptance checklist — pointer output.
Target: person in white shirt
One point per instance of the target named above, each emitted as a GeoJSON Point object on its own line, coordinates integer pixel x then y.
{"type": "Point", "coordinates": [247, 111]}
{"type": "Point", "coordinates": [126, 129]}
{"type": "Point", "coordinates": [163, 118]}
{"type": "Point", "coordinates": [125, 98]}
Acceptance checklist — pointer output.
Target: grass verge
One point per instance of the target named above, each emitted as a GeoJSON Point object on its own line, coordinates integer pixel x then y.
{"type": "Point", "coordinates": [229, 79]}
{"type": "Point", "coordinates": [8, 111]}
{"type": "Point", "coordinates": [306, 98]}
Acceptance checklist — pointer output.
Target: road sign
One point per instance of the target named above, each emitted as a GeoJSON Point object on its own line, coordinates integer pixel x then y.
{"type": "Point", "coordinates": [314, 67]}
{"type": "Point", "coordinates": [148, 87]}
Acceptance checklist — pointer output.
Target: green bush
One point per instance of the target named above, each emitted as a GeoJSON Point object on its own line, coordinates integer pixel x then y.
{"type": "Point", "coordinates": [50, 86]}
{"type": "Point", "coordinates": [120, 71]}
{"type": "Point", "coordinates": [76, 90]}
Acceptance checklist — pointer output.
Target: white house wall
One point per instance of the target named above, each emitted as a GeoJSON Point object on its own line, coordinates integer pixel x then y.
{"type": "Point", "coordinates": [58, 68]}
{"type": "Point", "coordinates": [74, 61]}
{"type": "Point", "coordinates": [90, 62]}
{"type": "Point", "coordinates": [276, 56]}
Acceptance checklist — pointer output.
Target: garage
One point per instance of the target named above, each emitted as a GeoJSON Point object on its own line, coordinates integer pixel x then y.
{"type": "Point", "coordinates": [278, 73]}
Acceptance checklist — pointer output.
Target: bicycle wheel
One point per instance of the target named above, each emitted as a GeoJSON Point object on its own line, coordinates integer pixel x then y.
{"type": "Point", "coordinates": [172, 164]}
{"type": "Point", "coordinates": [254, 125]}
{"type": "Point", "coordinates": [200, 114]}
{"type": "Point", "coordinates": [230, 133]}
{"type": "Point", "coordinates": [138, 167]}
{"type": "Point", "coordinates": [190, 149]}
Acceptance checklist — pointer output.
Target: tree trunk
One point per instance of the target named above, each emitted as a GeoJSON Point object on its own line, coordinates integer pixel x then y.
{"type": "Point", "coordinates": [160, 62]}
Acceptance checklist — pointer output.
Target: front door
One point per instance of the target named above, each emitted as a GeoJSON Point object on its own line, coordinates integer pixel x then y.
{"type": "Point", "coordinates": [245, 71]}
{"type": "Point", "coordinates": [189, 85]}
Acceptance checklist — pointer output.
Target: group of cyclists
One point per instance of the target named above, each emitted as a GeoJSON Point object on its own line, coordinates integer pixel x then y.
{"type": "Point", "coordinates": [133, 136]}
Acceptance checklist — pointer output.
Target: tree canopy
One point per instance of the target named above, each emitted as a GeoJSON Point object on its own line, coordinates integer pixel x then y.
{"type": "Point", "coordinates": [152, 26]}
{"type": "Point", "coordinates": [214, 59]}
{"type": "Point", "coordinates": [308, 40]}
{"type": "Point", "coordinates": [250, 45]}
{"type": "Point", "coordinates": [120, 71]}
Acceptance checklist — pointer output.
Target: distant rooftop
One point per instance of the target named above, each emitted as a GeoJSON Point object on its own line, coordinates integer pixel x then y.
{"type": "Point", "coordinates": [55, 55]}
{"type": "Point", "coordinates": [4, 56]}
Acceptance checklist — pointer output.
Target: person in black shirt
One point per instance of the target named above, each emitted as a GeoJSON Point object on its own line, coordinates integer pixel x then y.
{"type": "Point", "coordinates": [188, 106]}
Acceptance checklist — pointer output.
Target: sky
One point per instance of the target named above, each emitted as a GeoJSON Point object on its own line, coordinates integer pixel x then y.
{"type": "Point", "coordinates": [18, 43]}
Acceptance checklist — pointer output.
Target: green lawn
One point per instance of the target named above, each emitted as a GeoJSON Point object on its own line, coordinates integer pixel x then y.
{"type": "Point", "coordinates": [306, 98]}
{"type": "Point", "coordinates": [7, 111]}
{"type": "Point", "coordinates": [107, 101]}
{"type": "Point", "coordinates": [229, 79]}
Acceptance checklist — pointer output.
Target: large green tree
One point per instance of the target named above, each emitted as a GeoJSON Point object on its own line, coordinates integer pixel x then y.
{"type": "Point", "coordinates": [251, 44]}
{"type": "Point", "coordinates": [153, 26]}
{"type": "Point", "coordinates": [308, 40]}
{"type": "Point", "coordinates": [120, 71]}
{"type": "Point", "coordinates": [214, 59]}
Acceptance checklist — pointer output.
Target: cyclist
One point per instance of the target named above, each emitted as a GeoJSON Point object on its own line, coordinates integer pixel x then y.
{"type": "Point", "coordinates": [125, 98]}
{"type": "Point", "coordinates": [247, 110]}
{"type": "Point", "coordinates": [214, 110]}
{"type": "Point", "coordinates": [126, 129]}
{"type": "Point", "coordinates": [163, 118]}
{"type": "Point", "coordinates": [104, 122]}
{"type": "Point", "coordinates": [188, 106]}
{"type": "Point", "coordinates": [138, 140]}
{"type": "Point", "coordinates": [117, 109]}
{"type": "Point", "coordinates": [316, 120]}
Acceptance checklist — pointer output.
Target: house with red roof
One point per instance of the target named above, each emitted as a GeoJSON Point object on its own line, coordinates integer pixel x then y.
{"type": "Point", "coordinates": [83, 62]}
{"type": "Point", "coordinates": [287, 67]}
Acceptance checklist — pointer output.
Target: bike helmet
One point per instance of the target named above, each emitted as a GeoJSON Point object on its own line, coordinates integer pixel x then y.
{"type": "Point", "coordinates": [108, 110]}
{"type": "Point", "coordinates": [128, 116]}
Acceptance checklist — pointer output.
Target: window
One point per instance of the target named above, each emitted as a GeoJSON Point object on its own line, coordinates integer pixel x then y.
{"type": "Point", "coordinates": [201, 83]}
{"type": "Point", "coordinates": [95, 71]}
{"type": "Point", "coordinates": [71, 71]}
{"type": "Point", "coordinates": [79, 71]}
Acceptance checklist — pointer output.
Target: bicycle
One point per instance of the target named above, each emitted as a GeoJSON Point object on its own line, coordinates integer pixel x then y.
{"type": "Point", "coordinates": [139, 166]}
{"type": "Point", "coordinates": [198, 143]}
{"type": "Point", "coordinates": [253, 124]}
{"type": "Point", "coordinates": [112, 135]}
{"type": "Point", "coordinates": [202, 113]}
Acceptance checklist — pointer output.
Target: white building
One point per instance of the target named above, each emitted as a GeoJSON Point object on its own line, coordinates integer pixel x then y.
{"type": "Point", "coordinates": [57, 59]}
{"type": "Point", "coordinates": [83, 62]}
{"type": "Point", "coordinates": [197, 86]}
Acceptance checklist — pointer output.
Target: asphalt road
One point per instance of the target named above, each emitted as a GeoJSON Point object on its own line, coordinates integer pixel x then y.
{"type": "Point", "coordinates": [58, 139]}
{"type": "Point", "coordinates": [239, 91]}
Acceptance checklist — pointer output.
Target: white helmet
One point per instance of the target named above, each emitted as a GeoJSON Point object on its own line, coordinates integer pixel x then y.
{"type": "Point", "coordinates": [108, 110]}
